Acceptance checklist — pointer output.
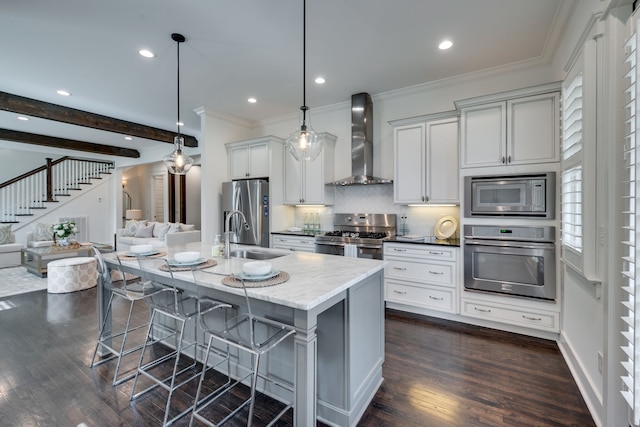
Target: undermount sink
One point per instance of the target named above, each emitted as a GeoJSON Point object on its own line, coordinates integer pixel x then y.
{"type": "Point", "coordinates": [249, 254]}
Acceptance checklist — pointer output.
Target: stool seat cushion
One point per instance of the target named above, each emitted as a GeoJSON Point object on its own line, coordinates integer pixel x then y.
{"type": "Point", "coordinates": [10, 247]}
{"type": "Point", "coordinates": [71, 274]}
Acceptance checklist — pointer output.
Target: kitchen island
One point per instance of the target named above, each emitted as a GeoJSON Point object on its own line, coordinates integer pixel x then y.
{"type": "Point", "coordinates": [337, 307]}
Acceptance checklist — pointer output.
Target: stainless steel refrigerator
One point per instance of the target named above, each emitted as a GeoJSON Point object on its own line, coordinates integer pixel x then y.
{"type": "Point", "coordinates": [251, 197]}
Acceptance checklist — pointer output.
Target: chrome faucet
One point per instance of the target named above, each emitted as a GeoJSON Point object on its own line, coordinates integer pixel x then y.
{"type": "Point", "coordinates": [227, 233]}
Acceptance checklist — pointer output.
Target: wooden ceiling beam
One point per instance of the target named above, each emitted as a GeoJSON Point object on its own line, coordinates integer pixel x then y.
{"type": "Point", "coordinates": [46, 110]}
{"type": "Point", "coordinates": [67, 144]}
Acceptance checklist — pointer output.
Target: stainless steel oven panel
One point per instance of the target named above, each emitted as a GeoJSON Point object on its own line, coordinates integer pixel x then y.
{"type": "Point", "coordinates": [364, 251]}
{"type": "Point", "coordinates": [515, 268]}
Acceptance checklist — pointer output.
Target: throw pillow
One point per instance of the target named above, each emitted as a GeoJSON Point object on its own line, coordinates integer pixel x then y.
{"type": "Point", "coordinates": [5, 234]}
{"type": "Point", "coordinates": [187, 227]}
{"type": "Point", "coordinates": [173, 227]}
{"type": "Point", "coordinates": [144, 231]}
{"type": "Point", "coordinates": [42, 232]}
{"type": "Point", "coordinates": [160, 230]}
{"type": "Point", "coordinates": [131, 227]}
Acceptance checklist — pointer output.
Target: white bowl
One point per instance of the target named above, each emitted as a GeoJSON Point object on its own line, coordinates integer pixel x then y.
{"type": "Point", "coordinates": [187, 256]}
{"type": "Point", "coordinates": [141, 249]}
{"type": "Point", "coordinates": [256, 268]}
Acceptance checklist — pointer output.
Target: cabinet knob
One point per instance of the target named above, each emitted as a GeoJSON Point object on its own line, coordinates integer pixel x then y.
{"type": "Point", "coordinates": [531, 318]}
{"type": "Point", "coordinates": [509, 159]}
{"type": "Point", "coordinates": [482, 310]}
{"type": "Point", "coordinates": [503, 160]}
{"type": "Point", "coordinates": [400, 268]}
{"type": "Point", "coordinates": [434, 298]}
{"type": "Point", "coordinates": [399, 292]}
{"type": "Point", "coordinates": [435, 272]}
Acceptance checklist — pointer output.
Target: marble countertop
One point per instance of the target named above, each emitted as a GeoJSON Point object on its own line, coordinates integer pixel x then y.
{"type": "Point", "coordinates": [314, 278]}
{"type": "Point", "coordinates": [299, 233]}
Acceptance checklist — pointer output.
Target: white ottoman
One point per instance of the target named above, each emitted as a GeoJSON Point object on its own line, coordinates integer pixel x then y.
{"type": "Point", "coordinates": [71, 274]}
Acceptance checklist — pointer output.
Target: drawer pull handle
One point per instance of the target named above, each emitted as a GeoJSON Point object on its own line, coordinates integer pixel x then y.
{"type": "Point", "coordinates": [435, 253]}
{"type": "Point", "coordinates": [399, 250]}
{"type": "Point", "coordinates": [435, 272]}
{"type": "Point", "coordinates": [400, 292]}
{"type": "Point", "coordinates": [482, 310]}
{"type": "Point", "coordinates": [400, 268]}
{"type": "Point", "coordinates": [437, 299]}
{"type": "Point", "coordinates": [531, 318]}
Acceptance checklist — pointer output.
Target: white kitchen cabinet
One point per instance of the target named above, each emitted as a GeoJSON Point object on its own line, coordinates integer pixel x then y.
{"type": "Point", "coordinates": [510, 132]}
{"type": "Point", "coordinates": [293, 243]}
{"type": "Point", "coordinates": [253, 158]}
{"type": "Point", "coordinates": [421, 276]}
{"type": "Point", "coordinates": [426, 161]}
{"type": "Point", "coordinates": [304, 181]}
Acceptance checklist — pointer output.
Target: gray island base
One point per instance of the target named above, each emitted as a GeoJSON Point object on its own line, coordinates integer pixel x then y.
{"type": "Point", "coordinates": [337, 307]}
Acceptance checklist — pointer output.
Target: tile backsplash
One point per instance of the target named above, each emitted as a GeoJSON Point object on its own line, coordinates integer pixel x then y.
{"type": "Point", "coordinates": [378, 199]}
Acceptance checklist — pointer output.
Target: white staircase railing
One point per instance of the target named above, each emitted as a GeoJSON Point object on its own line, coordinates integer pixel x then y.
{"type": "Point", "coordinates": [22, 195]}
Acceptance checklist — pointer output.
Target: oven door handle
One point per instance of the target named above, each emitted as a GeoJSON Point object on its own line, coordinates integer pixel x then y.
{"type": "Point", "coordinates": [329, 244]}
{"type": "Point", "coordinates": [369, 246]}
{"type": "Point", "coordinates": [509, 244]}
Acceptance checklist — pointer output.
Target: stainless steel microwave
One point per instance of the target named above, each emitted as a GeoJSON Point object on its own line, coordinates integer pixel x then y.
{"type": "Point", "coordinates": [531, 196]}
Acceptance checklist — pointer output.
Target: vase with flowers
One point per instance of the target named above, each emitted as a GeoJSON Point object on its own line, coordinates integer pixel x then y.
{"type": "Point", "coordinates": [63, 231]}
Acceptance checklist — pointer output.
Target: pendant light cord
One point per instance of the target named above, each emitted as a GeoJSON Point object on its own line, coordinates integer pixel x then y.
{"type": "Point", "coordinates": [304, 61]}
{"type": "Point", "coordinates": [178, 98]}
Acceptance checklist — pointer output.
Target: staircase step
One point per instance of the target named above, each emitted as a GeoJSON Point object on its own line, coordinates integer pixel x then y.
{"type": "Point", "coordinates": [38, 207]}
{"type": "Point", "coordinates": [9, 222]}
{"type": "Point", "coordinates": [24, 214]}
{"type": "Point", "coordinates": [84, 183]}
{"type": "Point", "coordinates": [61, 194]}
{"type": "Point", "coordinates": [74, 188]}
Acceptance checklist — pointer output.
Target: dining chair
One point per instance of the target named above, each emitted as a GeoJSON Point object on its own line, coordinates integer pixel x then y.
{"type": "Point", "coordinates": [130, 289]}
{"type": "Point", "coordinates": [164, 361]}
{"type": "Point", "coordinates": [246, 332]}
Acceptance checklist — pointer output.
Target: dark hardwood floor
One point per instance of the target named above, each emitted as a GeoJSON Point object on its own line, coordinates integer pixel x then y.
{"type": "Point", "coordinates": [437, 373]}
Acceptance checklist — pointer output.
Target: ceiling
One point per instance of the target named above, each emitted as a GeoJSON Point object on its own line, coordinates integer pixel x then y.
{"type": "Point", "coordinates": [250, 48]}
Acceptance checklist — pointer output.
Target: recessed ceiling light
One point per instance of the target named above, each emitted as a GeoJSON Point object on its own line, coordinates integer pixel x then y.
{"type": "Point", "coordinates": [252, 100]}
{"type": "Point", "coordinates": [23, 118]}
{"type": "Point", "coordinates": [445, 44]}
{"type": "Point", "coordinates": [128, 138]}
{"type": "Point", "coordinates": [146, 53]}
{"type": "Point", "coordinates": [320, 80]}
{"type": "Point", "coordinates": [63, 92]}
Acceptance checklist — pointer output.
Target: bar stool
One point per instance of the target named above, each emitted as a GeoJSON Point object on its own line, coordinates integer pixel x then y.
{"type": "Point", "coordinates": [131, 290]}
{"type": "Point", "coordinates": [162, 360]}
{"type": "Point", "coordinates": [247, 333]}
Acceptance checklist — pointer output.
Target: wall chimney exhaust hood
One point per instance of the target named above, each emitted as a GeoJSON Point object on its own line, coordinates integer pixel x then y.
{"type": "Point", "coordinates": [361, 144]}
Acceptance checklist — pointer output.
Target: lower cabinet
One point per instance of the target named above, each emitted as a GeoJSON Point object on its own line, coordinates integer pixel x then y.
{"type": "Point", "coordinates": [294, 243]}
{"type": "Point", "coordinates": [512, 315]}
{"type": "Point", "coordinates": [421, 276]}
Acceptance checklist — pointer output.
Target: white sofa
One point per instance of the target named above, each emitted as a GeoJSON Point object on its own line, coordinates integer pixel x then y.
{"type": "Point", "coordinates": [10, 254]}
{"type": "Point", "coordinates": [181, 236]}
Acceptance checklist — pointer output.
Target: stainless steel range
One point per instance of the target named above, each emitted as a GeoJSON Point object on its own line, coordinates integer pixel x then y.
{"type": "Point", "coordinates": [358, 235]}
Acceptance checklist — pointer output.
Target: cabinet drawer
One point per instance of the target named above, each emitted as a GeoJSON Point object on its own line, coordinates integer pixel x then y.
{"type": "Point", "coordinates": [420, 251]}
{"type": "Point", "coordinates": [440, 273]}
{"type": "Point", "coordinates": [420, 296]}
{"type": "Point", "coordinates": [512, 315]}
{"type": "Point", "coordinates": [306, 244]}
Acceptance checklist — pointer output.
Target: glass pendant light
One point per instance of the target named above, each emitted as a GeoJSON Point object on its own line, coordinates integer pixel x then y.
{"type": "Point", "coordinates": [178, 162]}
{"type": "Point", "coordinates": [304, 143]}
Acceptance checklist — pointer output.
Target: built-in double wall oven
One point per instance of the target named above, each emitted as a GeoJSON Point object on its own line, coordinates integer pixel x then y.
{"type": "Point", "coordinates": [518, 260]}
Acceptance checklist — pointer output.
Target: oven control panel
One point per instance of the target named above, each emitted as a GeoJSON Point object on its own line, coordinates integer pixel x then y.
{"type": "Point", "coordinates": [534, 234]}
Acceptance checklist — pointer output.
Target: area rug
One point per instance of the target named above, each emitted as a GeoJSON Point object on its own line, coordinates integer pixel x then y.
{"type": "Point", "coordinates": [17, 280]}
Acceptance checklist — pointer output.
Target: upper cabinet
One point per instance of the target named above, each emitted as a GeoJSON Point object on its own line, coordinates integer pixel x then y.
{"type": "Point", "coordinates": [253, 158]}
{"type": "Point", "coordinates": [426, 159]}
{"type": "Point", "coordinates": [515, 130]}
{"type": "Point", "coordinates": [304, 181]}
